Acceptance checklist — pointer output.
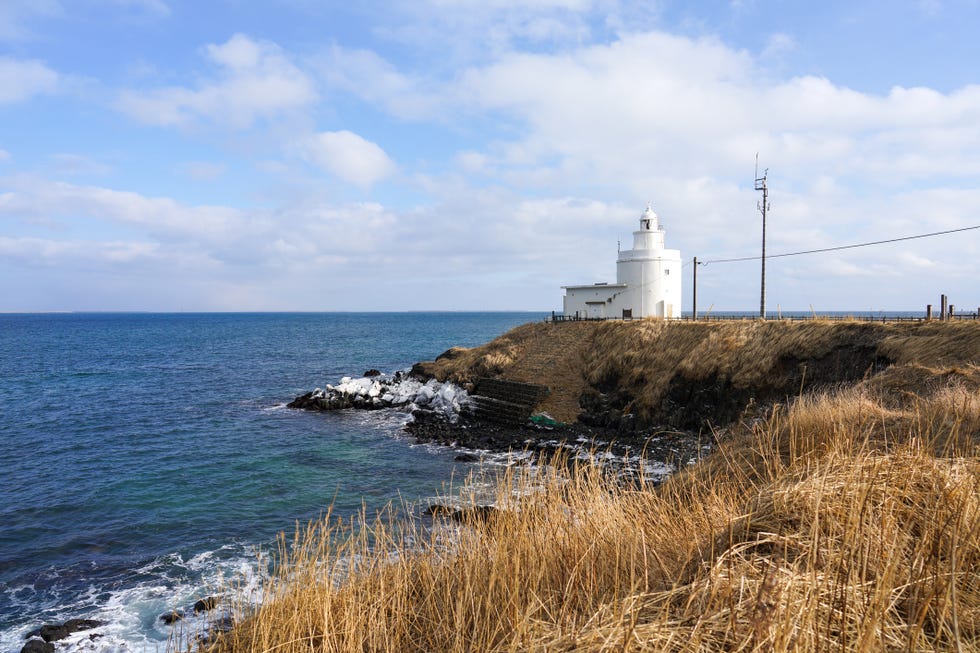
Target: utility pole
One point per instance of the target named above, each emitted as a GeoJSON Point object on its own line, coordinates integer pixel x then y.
{"type": "Point", "coordinates": [694, 307]}
{"type": "Point", "coordinates": [760, 184]}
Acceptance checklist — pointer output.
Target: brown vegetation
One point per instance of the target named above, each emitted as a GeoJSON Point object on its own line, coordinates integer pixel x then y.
{"type": "Point", "coordinates": [846, 520]}
{"type": "Point", "coordinates": [769, 360]}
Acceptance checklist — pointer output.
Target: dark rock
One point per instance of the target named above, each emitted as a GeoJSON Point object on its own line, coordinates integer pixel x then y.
{"type": "Point", "coordinates": [438, 509]}
{"type": "Point", "coordinates": [371, 373]}
{"type": "Point", "coordinates": [470, 515]}
{"type": "Point", "coordinates": [467, 458]}
{"type": "Point", "coordinates": [172, 617]}
{"type": "Point", "coordinates": [205, 604]}
{"type": "Point", "coordinates": [303, 401]}
{"type": "Point", "coordinates": [690, 404]}
{"type": "Point", "coordinates": [74, 625]}
{"type": "Point", "coordinates": [50, 632]}
{"type": "Point", "coordinates": [420, 371]}
{"type": "Point", "coordinates": [476, 514]}
{"type": "Point", "coordinates": [627, 423]}
{"type": "Point", "coordinates": [55, 632]}
{"type": "Point", "coordinates": [37, 646]}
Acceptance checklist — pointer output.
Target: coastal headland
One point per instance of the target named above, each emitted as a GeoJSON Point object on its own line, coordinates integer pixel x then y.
{"type": "Point", "coordinates": [838, 508]}
{"type": "Point", "coordinates": [638, 382]}
{"type": "Point", "coordinates": [638, 374]}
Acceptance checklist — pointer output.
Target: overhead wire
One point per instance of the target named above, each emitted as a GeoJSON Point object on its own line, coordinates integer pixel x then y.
{"type": "Point", "coordinates": [839, 247]}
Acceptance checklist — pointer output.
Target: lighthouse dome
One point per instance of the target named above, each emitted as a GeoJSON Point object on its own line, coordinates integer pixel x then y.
{"type": "Point", "coordinates": [648, 220]}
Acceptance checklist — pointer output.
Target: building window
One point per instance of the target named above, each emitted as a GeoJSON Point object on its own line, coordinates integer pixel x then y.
{"type": "Point", "coordinates": [667, 271]}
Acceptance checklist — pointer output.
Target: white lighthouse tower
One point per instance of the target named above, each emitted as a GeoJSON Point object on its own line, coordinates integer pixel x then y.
{"type": "Point", "coordinates": [648, 280]}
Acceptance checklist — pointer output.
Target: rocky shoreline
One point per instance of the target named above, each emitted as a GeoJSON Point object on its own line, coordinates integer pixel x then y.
{"type": "Point", "coordinates": [445, 414]}
{"type": "Point", "coordinates": [48, 637]}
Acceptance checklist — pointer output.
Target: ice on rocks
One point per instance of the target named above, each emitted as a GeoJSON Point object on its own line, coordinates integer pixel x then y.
{"type": "Point", "coordinates": [400, 391]}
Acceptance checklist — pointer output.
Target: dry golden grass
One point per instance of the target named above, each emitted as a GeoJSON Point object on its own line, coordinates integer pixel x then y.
{"type": "Point", "coordinates": [842, 522]}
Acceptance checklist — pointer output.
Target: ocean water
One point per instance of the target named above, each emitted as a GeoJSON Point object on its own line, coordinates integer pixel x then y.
{"type": "Point", "coordinates": [145, 456]}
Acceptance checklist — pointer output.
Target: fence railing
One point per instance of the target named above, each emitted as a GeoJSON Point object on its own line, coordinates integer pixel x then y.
{"type": "Point", "coordinates": [558, 318]}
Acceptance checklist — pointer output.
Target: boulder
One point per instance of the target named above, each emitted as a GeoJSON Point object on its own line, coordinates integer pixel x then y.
{"type": "Point", "coordinates": [37, 646]}
{"type": "Point", "coordinates": [50, 632]}
{"type": "Point", "coordinates": [55, 632]}
{"type": "Point", "coordinates": [371, 373]}
{"type": "Point", "coordinates": [420, 371]}
{"type": "Point", "coordinates": [172, 617]}
{"type": "Point", "coordinates": [302, 401]}
{"type": "Point", "coordinates": [205, 604]}
{"type": "Point", "coordinates": [470, 515]}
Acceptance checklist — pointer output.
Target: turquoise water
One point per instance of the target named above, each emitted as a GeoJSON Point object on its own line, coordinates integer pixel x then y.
{"type": "Point", "coordinates": [144, 455]}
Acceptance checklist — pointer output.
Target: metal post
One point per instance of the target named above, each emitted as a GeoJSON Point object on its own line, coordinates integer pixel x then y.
{"type": "Point", "coordinates": [942, 307]}
{"type": "Point", "coordinates": [694, 307]}
{"type": "Point", "coordinates": [760, 184]}
{"type": "Point", "coordinates": [928, 311]}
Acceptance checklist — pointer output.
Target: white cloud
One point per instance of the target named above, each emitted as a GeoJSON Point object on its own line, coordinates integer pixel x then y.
{"type": "Point", "coordinates": [350, 157]}
{"type": "Point", "coordinates": [472, 162]}
{"type": "Point", "coordinates": [366, 75]}
{"type": "Point", "coordinates": [466, 30]}
{"type": "Point", "coordinates": [655, 106]}
{"type": "Point", "coordinates": [4, 155]}
{"type": "Point", "coordinates": [255, 81]}
{"type": "Point", "coordinates": [32, 198]}
{"type": "Point", "coordinates": [22, 79]}
{"type": "Point", "coordinates": [220, 235]}
{"type": "Point", "coordinates": [42, 251]}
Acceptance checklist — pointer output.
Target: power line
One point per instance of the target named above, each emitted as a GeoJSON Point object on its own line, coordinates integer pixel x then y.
{"type": "Point", "coordinates": [840, 247]}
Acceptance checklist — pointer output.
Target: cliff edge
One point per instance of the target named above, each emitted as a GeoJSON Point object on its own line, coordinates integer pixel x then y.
{"type": "Point", "coordinates": [636, 374]}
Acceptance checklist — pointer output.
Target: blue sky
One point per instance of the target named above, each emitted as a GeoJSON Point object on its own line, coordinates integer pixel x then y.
{"type": "Point", "coordinates": [456, 155]}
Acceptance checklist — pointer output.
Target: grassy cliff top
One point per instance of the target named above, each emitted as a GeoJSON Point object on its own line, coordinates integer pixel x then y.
{"type": "Point", "coordinates": [643, 357]}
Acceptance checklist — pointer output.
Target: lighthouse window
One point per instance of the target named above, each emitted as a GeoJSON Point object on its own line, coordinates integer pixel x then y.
{"type": "Point", "coordinates": [667, 271]}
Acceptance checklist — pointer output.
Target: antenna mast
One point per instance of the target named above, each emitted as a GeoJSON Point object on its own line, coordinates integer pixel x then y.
{"type": "Point", "coordinates": [763, 206]}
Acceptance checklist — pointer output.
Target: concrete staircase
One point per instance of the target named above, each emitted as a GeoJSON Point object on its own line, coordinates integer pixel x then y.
{"type": "Point", "coordinates": [506, 402]}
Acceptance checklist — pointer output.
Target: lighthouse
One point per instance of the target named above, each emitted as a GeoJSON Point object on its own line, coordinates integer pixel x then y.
{"type": "Point", "coordinates": [648, 280]}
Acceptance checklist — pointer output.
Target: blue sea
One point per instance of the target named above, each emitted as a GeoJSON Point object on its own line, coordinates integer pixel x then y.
{"type": "Point", "coordinates": [147, 456]}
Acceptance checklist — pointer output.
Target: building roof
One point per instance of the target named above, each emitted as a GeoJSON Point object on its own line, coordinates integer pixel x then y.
{"type": "Point", "coordinates": [596, 286]}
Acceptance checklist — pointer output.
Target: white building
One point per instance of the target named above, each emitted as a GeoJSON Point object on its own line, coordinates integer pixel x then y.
{"type": "Point", "coordinates": [648, 280]}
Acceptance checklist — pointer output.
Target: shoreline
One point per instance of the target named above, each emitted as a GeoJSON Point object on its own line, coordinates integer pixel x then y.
{"type": "Point", "coordinates": [904, 376]}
